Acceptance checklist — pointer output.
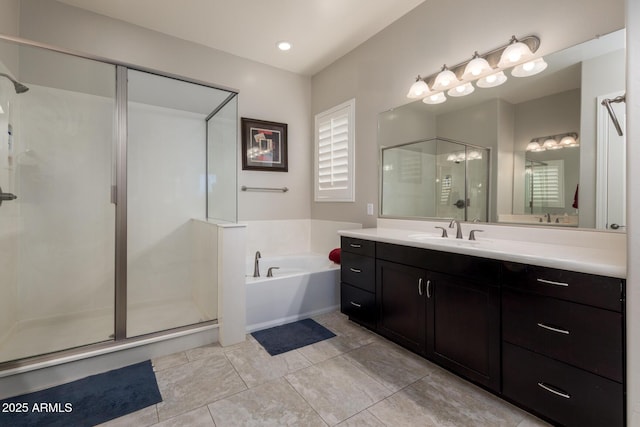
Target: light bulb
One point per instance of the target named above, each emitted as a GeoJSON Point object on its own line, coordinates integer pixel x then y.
{"type": "Point", "coordinates": [283, 45]}
{"type": "Point", "coordinates": [436, 98]}
{"type": "Point", "coordinates": [418, 89]}
{"type": "Point", "coordinates": [492, 80]}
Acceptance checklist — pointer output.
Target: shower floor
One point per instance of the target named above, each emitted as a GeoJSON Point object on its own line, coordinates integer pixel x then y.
{"type": "Point", "coordinates": [48, 335]}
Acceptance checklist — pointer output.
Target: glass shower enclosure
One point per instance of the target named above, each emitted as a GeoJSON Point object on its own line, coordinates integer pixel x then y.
{"type": "Point", "coordinates": [103, 171]}
{"type": "Point", "coordinates": [435, 178]}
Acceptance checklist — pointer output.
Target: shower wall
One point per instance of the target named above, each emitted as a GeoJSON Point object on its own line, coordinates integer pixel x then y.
{"type": "Point", "coordinates": [63, 175]}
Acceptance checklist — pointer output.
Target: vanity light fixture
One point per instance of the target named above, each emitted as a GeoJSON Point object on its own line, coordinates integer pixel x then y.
{"type": "Point", "coordinates": [492, 80]}
{"type": "Point", "coordinates": [436, 98]}
{"type": "Point", "coordinates": [461, 90]}
{"type": "Point", "coordinates": [551, 142]}
{"type": "Point", "coordinates": [487, 70]}
{"type": "Point", "coordinates": [419, 89]}
{"type": "Point", "coordinates": [530, 68]}
{"type": "Point", "coordinates": [445, 79]}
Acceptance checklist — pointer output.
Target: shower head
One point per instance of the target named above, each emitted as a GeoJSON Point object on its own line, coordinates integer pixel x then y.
{"type": "Point", "coordinates": [19, 87]}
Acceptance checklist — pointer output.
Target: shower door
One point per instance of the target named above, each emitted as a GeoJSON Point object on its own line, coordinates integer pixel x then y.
{"type": "Point", "coordinates": [168, 278]}
{"type": "Point", "coordinates": [56, 216]}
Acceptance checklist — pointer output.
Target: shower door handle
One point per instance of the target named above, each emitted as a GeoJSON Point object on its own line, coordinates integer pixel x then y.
{"type": "Point", "coordinates": [4, 197]}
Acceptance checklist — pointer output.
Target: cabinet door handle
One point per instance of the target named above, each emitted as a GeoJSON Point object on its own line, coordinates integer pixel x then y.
{"type": "Point", "coordinates": [551, 282]}
{"type": "Point", "coordinates": [428, 288]}
{"type": "Point", "coordinates": [420, 286]}
{"type": "Point", "coordinates": [356, 305]}
{"type": "Point", "coordinates": [551, 328]}
{"type": "Point", "coordinates": [355, 270]}
{"type": "Point", "coordinates": [554, 390]}
{"type": "Point", "coordinates": [355, 245]}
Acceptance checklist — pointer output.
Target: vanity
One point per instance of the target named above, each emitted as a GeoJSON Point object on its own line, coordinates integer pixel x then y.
{"type": "Point", "coordinates": [541, 329]}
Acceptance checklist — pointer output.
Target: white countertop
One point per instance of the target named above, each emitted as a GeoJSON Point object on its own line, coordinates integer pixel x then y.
{"type": "Point", "coordinates": [593, 260]}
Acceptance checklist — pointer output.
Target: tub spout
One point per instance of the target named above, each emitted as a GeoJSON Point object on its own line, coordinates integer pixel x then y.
{"type": "Point", "coordinates": [256, 267]}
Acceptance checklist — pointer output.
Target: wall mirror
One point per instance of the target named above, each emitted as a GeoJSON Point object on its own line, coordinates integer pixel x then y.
{"type": "Point", "coordinates": [578, 182]}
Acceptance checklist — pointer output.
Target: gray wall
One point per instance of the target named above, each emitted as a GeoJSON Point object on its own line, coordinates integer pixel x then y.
{"type": "Point", "coordinates": [379, 72]}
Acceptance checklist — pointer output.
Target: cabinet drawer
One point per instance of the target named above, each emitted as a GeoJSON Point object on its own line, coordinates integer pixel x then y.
{"type": "Point", "coordinates": [358, 246]}
{"type": "Point", "coordinates": [358, 270]}
{"type": "Point", "coordinates": [359, 305]}
{"type": "Point", "coordinates": [599, 291]}
{"type": "Point", "coordinates": [567, 395]}
{"type": "Point", "coordinates": [587, 337]}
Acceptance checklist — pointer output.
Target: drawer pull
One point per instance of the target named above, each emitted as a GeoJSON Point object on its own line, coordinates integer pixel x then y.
{"type": "Point", "coordinates": [356, 304]}
{"type": "Point", "coordinates": [551, 328]}
{"type": "Point", "coordinates": [551, 282]}
{"type": "Point", "coordinates": [555, 391]}
{"type": "Point", "coordinates": [355, 245]}
{"type": "Point", "coordinates": [355, 270]}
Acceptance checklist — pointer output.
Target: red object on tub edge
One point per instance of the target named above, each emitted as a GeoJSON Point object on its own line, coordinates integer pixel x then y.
{"type": "Point", "coordinates": [334, 255]}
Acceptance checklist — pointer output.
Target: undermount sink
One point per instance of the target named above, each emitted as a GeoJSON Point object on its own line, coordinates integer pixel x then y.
{"type": "Point", "coordinates": [436, 238]}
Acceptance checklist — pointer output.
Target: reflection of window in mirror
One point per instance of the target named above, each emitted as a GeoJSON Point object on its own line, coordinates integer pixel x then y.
{"type": "Point", "coordinates": [544, 185]}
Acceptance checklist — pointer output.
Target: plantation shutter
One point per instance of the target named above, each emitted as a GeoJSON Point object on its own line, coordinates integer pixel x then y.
{"type": "Point", "coordinates": [547, 184]}
{"type": "Point", "coordinates": [334, 154]}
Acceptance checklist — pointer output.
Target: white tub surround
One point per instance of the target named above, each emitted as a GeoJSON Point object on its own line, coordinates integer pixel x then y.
{"type": "Point", "coordinates": [593, 252]}
{"type": "Point", "coordinates": [294, 236]}
{"type": "Point", "coordinates": [302, 286]}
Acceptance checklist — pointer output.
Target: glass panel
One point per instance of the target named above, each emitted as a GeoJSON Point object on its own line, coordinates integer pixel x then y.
{"type": "Point", "coordinates": [221, 156]}
{"type": "Point", "coordinates": [57, 236]}
{"type": "Point", "coordinates": [166, 192]}
{"type": "Point", "coordinates": [477, 184]}
{"type": "Point", "coordinates": [450, 180]}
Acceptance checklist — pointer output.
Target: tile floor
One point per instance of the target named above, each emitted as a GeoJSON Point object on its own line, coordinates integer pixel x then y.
{"type": "Point", "coordinates": [354, 379]}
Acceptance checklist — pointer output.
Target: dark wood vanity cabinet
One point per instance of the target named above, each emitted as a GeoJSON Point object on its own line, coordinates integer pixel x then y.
{"type": "Point", "coordinates": [357, 281]}
{"type": "Point", "coordinates": [549, 340]}
{"type": "Point", "coordinates": [401, 292]}
{"type": "Point", "coordinates": [442, 305]}
{"type": "Point", "coordinates": [563, 344]}
{"type": "Point", "coordinates": [463, 327]}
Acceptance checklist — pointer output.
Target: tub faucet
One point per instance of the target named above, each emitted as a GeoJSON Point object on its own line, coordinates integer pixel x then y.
{"type": "Point", "coordinates": [256, 267]}
{"type": "Point", "coordinates": [459, 228]}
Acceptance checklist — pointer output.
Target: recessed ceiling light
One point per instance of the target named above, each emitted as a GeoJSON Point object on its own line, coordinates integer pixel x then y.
{"type": "Point", "coordinates": [283, 45]}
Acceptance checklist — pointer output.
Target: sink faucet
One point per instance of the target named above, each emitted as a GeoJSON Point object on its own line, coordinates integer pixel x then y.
{"type": "Point", "coordinates": [256, 267]}
{"type": "Point", "coordinates": [459, 229]}
{"type": "Point", "coordinates": [548, 216]}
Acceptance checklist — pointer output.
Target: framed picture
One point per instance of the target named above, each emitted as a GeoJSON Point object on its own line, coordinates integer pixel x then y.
{"type": "Point", "coordinates": [264, 145]}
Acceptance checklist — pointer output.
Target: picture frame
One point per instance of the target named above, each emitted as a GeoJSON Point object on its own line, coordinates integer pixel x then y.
{"type": "Point", "coordinates": [264, 145]}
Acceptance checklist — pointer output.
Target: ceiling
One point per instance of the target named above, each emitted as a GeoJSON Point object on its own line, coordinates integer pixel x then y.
{"type": "Point", "coordinates": [320, 31]}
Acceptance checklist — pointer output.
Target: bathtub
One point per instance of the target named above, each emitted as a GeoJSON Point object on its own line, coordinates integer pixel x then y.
{"type": "Point", "coordinates": [303, 286]}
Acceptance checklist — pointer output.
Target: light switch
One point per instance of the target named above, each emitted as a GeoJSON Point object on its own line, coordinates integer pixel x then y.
{"type": "Point", "coordinates": [369, 208]}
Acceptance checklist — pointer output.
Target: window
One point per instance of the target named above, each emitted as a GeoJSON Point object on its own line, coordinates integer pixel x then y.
{"type": "Point", "coordinates": [546, 184]}
{"type": "Point", "coordinates": [334, 159]}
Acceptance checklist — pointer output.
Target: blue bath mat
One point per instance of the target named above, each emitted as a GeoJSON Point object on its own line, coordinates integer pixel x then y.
{"type": "Point", "coordinates": [86, 402]}
{"type": "Point", "coordinates": [281, 339]}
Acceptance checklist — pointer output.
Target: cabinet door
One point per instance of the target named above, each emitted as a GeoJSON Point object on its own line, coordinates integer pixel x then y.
{"type": "Point", "coordinates": [463, 328]}
{"type": "Point", "coordinates": [400, 293]}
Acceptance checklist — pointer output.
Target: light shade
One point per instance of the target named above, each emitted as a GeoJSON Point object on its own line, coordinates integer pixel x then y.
{"type": "Point", "coordinates": [418, 90]}
{"type": "Point", "coordinates": [475, 68]}
{"type": "Point", "coordinates": [569, 141]}
{"type": "Point", "coordinates": [534, 146]}
{"type": "Point", "coordinates": [461, 90]}
{"type": "Point", "coordinates": [436, 98]}
{"type": "Point", "coordinates": [445, 80]}
{"type": "Point", "coordinates": [514, 53]}
{"type": "Point", "coordinates": [550, 144]}
{"type": "Point", "coordinates": [492, 80]}
{"type": "Point", "coordinates": [529, 68]}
